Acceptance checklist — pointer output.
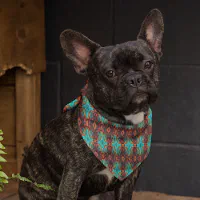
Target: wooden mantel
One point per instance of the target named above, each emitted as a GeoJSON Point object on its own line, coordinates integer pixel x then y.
{"type": "Point", "coordinates": [22, 47]}
{"type": "Point", "coordinates": [22, 35]}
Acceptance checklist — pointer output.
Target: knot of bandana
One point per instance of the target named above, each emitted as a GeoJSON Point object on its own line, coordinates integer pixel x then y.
{"type": "Point", "coordinates": [121, 148]}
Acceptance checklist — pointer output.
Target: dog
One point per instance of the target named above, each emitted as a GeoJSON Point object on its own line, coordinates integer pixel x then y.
{"type": "Point", "coordinates": [123, 81]}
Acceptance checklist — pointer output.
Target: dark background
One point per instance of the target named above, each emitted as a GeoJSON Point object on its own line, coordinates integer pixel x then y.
{"type": "Point", "coordinates": [174, 163]}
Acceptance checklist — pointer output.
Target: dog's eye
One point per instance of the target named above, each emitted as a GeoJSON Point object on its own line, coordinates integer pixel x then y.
{"type": "Point", "coordinates": [110, 73]}
{"type": "Point", "coordinates": [148, 65]}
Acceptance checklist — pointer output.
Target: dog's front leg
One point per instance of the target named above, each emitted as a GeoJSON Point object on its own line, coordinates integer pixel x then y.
{"type": "Point", "coordinates": [70, 184]}
{"type": "Point", "coordinates": [125, 190]}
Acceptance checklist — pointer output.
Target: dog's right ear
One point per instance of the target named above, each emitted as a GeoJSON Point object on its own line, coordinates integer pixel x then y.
{"type": "Point", "coordinates": [78, 48]}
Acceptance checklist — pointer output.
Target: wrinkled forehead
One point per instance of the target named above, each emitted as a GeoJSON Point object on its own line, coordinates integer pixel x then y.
{"type": "Point", "coordinates": [125, 53]}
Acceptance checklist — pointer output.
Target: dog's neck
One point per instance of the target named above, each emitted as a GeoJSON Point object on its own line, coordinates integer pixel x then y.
{"type": "Point", "coordinates": [112, 115]}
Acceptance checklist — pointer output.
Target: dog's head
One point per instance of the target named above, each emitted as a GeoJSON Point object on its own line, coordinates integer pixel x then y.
{"type": "Point", "coordinates": [123, 78]}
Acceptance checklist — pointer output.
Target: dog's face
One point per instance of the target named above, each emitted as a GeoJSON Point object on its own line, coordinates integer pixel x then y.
{"type": "Point", "coordinates": [124, 77]}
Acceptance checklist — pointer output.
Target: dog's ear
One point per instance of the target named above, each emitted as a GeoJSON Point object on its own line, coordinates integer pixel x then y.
{"type": "Point", "coordinates": [78, 48]}
{"type": "Point", "coordinates": [152, 30]}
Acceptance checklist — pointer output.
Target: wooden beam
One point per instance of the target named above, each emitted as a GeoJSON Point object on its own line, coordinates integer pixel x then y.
{"type": "Point", "coordinates": [27, 110]}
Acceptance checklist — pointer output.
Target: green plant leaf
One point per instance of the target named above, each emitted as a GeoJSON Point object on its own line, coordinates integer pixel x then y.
{"type": "Point", "coordinates": [1, 146]}
{"type": "Point", "coordinates": [17, 176]}
{"type": "Point", "coordinates": [45, 187]}
{"type": "Point", "coordinates": [2, 159]}
{"type": "Point", "coordinates": [3, 175]}
{"type": "Point", "coordinates": [2, 152]}
{"type": "Point", "coordinates": [1, 187]}
{"type": "Point", "coordinates": [3, 180]}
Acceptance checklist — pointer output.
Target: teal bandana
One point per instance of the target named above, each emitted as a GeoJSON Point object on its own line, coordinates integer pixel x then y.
{"type": "Point", "coordinates": [121, 148]}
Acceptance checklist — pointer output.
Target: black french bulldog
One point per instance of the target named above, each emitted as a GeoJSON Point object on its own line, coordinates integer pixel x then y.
{"type": "Point", "coordinates": [123, 82]}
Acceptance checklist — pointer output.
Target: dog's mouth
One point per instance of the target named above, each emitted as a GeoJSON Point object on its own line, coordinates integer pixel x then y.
{"type": "Point", "coordinates": [133, 102]}
{"type": "Point", "coordinates": [137, 103]}
{"type": "Point", "coordinates": [140, 97]}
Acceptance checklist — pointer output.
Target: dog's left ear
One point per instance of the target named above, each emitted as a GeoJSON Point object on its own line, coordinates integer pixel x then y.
{"type": "Point", "coordinates": [152, 30]}
{"type": "Point", "coordinates": [78, 48]}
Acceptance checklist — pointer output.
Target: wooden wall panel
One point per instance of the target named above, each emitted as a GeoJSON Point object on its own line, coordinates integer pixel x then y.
{"type": "Point", "coordinates": [8, 120]}
{"type": "Point", "coordinates": [7, 116]}
{"type": "Point", "coordinates": [22, 45]}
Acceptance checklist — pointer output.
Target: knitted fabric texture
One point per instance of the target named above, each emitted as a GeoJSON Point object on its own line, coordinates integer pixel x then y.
{"type": "Point", "coordinates": [121, 148]}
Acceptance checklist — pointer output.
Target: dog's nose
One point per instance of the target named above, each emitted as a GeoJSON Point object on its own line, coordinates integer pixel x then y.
{"type": "Point", "coordinates": [135, 80]}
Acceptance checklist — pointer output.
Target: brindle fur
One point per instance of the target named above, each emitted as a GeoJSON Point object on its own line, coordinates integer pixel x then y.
{"type": "Point", "coordinates": [58, 156]}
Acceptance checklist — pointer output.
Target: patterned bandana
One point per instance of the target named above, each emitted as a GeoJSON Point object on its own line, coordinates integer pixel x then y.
{"type": "Point", "coordinates": [121, 148]}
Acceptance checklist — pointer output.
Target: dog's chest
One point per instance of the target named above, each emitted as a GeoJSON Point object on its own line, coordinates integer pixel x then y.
{"type": "Point", "coordinates": [106, 173]}
{"type": "Point", "coordinates": [135, 118]}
